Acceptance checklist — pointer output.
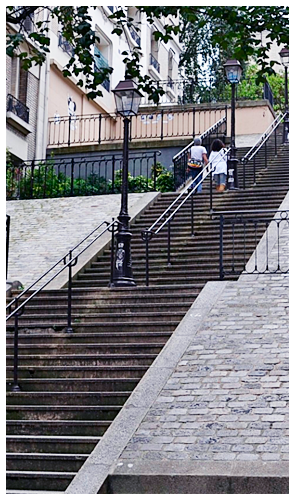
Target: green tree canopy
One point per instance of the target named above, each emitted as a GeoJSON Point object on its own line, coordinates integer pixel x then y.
{"type": "Point", "coordinates": [209, 32]}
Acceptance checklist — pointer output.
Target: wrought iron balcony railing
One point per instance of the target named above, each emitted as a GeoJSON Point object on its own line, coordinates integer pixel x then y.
{"type": "Point", "coordinates": [17, 107]}
{"type": "Point", "coordinates": [65, 45]}
{"type": "Point", "coordinates": [154, 63]}
{"type": "Point", "coordinates": [135, 35]}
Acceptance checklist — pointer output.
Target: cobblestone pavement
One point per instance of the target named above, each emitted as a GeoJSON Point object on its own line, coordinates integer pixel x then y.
{"type": "Point", "coordinates": [227, 400]}
{"type": "Point", "coordinates": [42, 231]}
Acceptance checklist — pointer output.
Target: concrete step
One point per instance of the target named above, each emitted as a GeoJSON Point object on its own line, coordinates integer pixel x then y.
{"type": "Point", "coordinates": [69, 384]}
{"type": "Point", "coordinates": [87, 349]}
{"type": "Point", "coordinates": [51, 444]}
{"type": "Point", "coordinates": [82, 360]}
{"type": "Point", "coordinates": [61, 412]}
{"type": "Point", "coordinates": [31, 480]}
{"type": "Point", "coordinates": [57, 427]}
{"type": "Point", "coordinates": [80, 372]}
{"type": "Point", "coordinates": [42, 462]}
{"type": "Point", "coordinates": [61, 398]}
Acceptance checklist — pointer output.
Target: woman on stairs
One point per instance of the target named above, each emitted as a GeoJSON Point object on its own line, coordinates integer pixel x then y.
{"type": "Point", "coordinates": [197, 159]}
{"type": "Point", "coordinates": [217, 159]}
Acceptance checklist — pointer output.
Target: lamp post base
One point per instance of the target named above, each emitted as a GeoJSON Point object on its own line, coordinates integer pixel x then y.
{"type": "Point", "coordinates": [232, 181]}
{"type": "Point", "coordinates": [122, 273]}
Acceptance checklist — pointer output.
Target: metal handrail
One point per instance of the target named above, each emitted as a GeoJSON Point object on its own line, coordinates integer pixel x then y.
{"type": "Point", "coordinates": [206, 170]}
{"type": "Point", "coordinates": [272, 127]}
{"type": "Point", "coordinates": [16, 299]}
{"type": "Point", "coordinates": [202, 136]}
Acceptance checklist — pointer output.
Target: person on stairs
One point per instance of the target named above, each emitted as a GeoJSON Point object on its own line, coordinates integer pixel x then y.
{"type": "Point", "coordinates": [218, 160]}
{"type": "Point", "coordinates": [197, 159]}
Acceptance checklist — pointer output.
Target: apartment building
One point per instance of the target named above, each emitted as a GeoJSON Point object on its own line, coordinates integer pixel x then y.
{"type": "Point", "coordinates": [43, 93]}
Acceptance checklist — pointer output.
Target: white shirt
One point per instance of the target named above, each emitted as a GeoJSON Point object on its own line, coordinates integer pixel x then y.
{"type": "Point", "coordinates": [197, 152]}
{"type": "Point", "coordinates": [218, 160]}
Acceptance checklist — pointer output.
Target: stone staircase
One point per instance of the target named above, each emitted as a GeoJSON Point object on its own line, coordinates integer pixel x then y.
{"type": "Point", "coordinates": [74, 385]}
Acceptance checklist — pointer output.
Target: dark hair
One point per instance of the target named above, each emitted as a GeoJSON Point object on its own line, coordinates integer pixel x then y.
{"type": "Point", "coordinates": [217, 145]}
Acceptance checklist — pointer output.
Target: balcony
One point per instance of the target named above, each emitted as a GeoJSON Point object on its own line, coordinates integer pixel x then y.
{"type": "Point", "coordinates": [65, 45]}
{"type": "Point", "coordinates": [154, 63]}
{"type": "Point", "coordinates": [17, 108]}
{"type": "Point", "coordinates": [101, 62]}
{"type": "Point", "coordinates": [135, 36]}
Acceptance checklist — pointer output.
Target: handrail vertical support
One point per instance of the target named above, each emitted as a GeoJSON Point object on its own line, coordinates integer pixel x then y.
{"type": "Point", "coordinates": [112, 253]}
{"type": "Point", "coordinates": [192, 215]}
{"type": "Point", "coordinates": [221, 271]}
{"type": "Point", "coordinates": [15, 387]}
{"type": "Point", "coordinates": [69, 328]}
{"type": "Point", "coordinates": [147, 276]}
{"type": "Point", "coordinates": [169, 244]}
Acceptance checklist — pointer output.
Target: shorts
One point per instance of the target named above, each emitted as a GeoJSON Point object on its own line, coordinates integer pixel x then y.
{"type": "Point", "coordinates": [220, 179]}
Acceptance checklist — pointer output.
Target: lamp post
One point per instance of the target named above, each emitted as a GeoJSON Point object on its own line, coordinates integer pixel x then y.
{"type": "Point", "coordinates": [127, 98]}
{"type": "Point", "coordinates": [233, 70]}
{"type": "Point", "coordinates": [284, 55]}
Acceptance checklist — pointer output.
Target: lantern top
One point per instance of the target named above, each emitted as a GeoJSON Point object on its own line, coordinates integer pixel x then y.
{"type": "Point", "coordinates": [127, 97]}
{"type": "Point", "coordinates": [233, 70]}
{"type": "Point", "coordinates": [284, 55]}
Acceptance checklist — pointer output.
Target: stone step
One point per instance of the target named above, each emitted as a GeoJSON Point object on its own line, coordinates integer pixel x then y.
{"type": "Point", "coordinates": [69, 384]}
{"type": "Point", "coordinates": [62, 398]}
{"type": "Point", "coordinates": [80, 372]}
{"type": "Point", "coordinates": [57, 427]}
{"type": "Point", "coordinates": [87, 349]}
{"type": "Point", "coordinates": [38, 462]}
{"type": "Point", "coordinates": [88, 337]}
{"type": "Point", "coordinates": [84, 360]}
{"type": "Point", "coordinates": [62, 412]}
{"type": "Point", "coordinates": [31, 480]}
{"type": "Point", "coordinates": [50, 444]}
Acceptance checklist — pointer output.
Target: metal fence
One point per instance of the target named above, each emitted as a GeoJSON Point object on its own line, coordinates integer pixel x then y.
{"type": "Point", "coordinates": [100, 128]}
{"type": "Point", "coordinates": [245, 231]}
{"type": "Point", "coordinates": [80, 176]}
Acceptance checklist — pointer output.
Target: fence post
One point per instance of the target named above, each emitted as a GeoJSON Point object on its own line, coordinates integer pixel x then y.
{"type": "Point", "coordinates": [69, 138]}
{"type": "Point", "coordinates": [155, 170]}
{"type": "Point", "coordinates": [194, 121]}
{"type": "Point", "coordinates": [162, 124]}
{"type": "Point", "coordinates": [147, 276]}
{"type": "Point", "coordinates": [7, 241]}
{"type": "Point", "coordinates": [112, 252]}
{"type": "Point", "coordinates": [72, 176]}
{"type": "Point", "coordinates": [15, 387]}
{"type": "Point", "coordinates": [69, 328]}
{"type": "Point", "coordinates": [99, 129]}
{"type": "Point", "coordinates": [221, 271]}
{"type": "Point", "coordinates": [169, 242]}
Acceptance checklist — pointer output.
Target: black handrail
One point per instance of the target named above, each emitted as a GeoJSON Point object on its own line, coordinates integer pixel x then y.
{"type": "Point", "coordinates": [262, 141]}
{"type": "Point", "coordinates": [180, 159]}
{"type": "Point", "coordinates": [72, 261]}
{"type": "Point", "coordinates": [168, 215]}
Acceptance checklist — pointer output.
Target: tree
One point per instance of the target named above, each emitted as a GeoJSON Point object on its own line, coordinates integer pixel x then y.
{"type": "Point", "coordinates": [243, 26]}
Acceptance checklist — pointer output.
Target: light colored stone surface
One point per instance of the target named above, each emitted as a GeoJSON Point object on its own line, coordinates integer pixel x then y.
{"type": "Point", "coordinates": [42, 231]}
{"type": "Point", "coordinates": [222, 399]}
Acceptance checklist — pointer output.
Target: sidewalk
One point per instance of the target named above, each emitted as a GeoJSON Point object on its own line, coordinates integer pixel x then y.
{"type": "Point", "coordinates": [211, 413]}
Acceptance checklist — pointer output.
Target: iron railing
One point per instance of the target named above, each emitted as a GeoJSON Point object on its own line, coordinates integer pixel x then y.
{"type": "Point", "coordinates": [249, 160]}
{"type": "Point", "coordinates": [80, 176]}
{"type": "Point", "coordinates": [180, 159]}
{"type": "Point", "coordinates": [17, 107]}
{"type": "Point", "coordinates": [166, 218]}
{"type": "Point", "coordinates": [246, 229]}
{"type": "Point", "coordinates": [16, 307]}
{"type": "Point", "coordinates": [134, 34]}
{"type": "Point", "coordinates": [154, 63]}
{"type": "Point", "coordinates": [65, 45]}
{"type": "Point", "coordinates": [7, 241]}
{"type": "Point", "coordinates": [102, 128]}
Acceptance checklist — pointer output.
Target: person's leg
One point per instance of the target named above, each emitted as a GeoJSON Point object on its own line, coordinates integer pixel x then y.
{"type": "Point", "coordinates": [217, 181]}
{"type": "Point", "coordinates": [198, 179]}
{"type": "Point", "coordinates": [222, 182]}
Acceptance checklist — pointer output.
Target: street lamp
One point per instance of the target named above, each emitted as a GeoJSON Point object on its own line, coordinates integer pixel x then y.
{"type": "Point", "coordinates": [284, 55]}
{"type": "Point", "coordinates": [127, 98]}
{"type": "Point", "coordinates": [233, 71]}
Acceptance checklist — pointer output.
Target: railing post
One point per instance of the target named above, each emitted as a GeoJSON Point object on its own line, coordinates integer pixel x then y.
{"type": "Point", "coordinates": [265, 154]}
{"type": "Point", "coordinates": [147, 275]}
{"type": "Point", "coordinates": [32, 178]}
{"type": "Point", "coordinates": [169, 242]}
{"type": "Point", "coordinates": [155, 170]}
{"type": "Point", "coordinates": [211, 191]}
{"type": "Point", "coordinates": [162, 124]}
{"type": "Point", "coordinates": [276, 149]}
{"type": "Point", "coordinates": [15, 387]}
{"type": "Point", "coordinates": [194, 121]}
{"type": "Point", "coordinates": [99, 129]}
{"type": "Point", "coordinates": [113, 173]}
{"type": "Point", "coordinates": [221, 270]}
{"type": "Point", "coordinates": [112, 252]}
{"type": "Point", "coordinates": [244, 175]}
{"type": "Point", "coordinates": [192, 215]}
{"type": "Point", "coordinates": [69, 328]}
{"type": "Point", "coordinates": [7, 241]}
{"type": "Point", "coordinates": [254, 170]}
{"type": "Point", "coordinates": [72, 176]}
{"type": "Point", "coordinates": [69, 137]}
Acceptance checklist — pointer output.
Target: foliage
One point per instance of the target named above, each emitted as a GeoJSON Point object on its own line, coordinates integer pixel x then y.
{"type": "Point", "coordinates": [213, 32]}
{"type": "Point", "coordinates": [23, 182]}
